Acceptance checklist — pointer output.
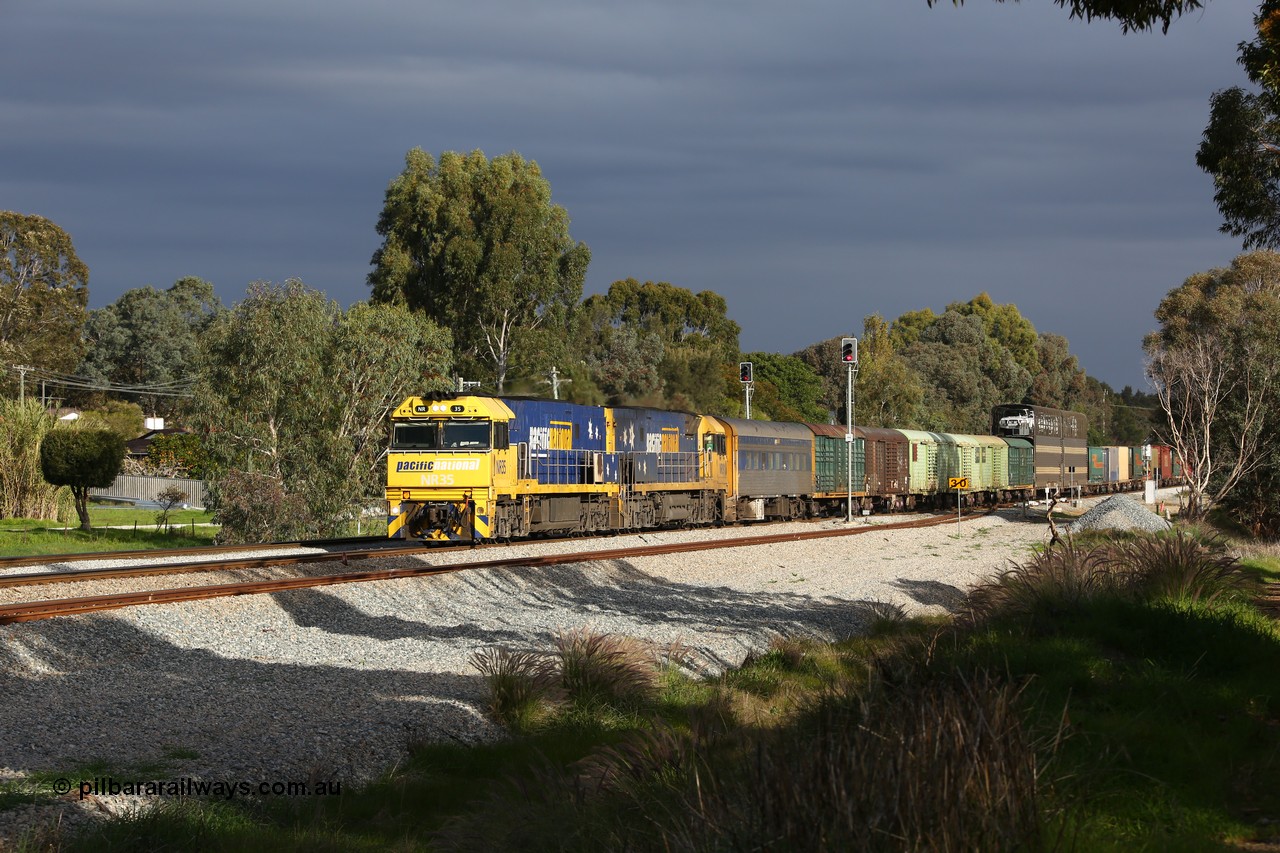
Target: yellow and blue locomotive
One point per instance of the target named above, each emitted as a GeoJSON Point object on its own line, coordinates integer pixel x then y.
{"type": "Point", "coordinates": [471, 468]}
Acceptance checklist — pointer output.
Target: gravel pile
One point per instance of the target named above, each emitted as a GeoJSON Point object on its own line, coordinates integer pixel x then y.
{"type": "Point", "coordinates": [335, 682]}
{"type": "Point", "coordinates": [1120, 512]}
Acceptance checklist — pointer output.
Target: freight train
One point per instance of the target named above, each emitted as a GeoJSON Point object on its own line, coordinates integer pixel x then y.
{"type": "Point", "coordinates": [474, 468]}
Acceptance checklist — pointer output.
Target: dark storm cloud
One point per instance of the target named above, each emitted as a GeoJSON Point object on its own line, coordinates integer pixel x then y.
{"type": "Point", "coordinates": [813, 164]}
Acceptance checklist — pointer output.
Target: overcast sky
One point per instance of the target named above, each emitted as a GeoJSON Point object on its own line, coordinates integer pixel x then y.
{"type": "Point", "coordinates": [813, 162]}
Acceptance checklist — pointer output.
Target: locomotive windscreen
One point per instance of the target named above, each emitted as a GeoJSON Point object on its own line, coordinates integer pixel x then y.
{"type": "Point", "coordinates": [441, 435]}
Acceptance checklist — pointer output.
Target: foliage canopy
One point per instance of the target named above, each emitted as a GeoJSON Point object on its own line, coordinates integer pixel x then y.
{"type": "Point", "coordinates": [477, 246]}
{"type": "Point", "coordinates": [44, 288]}
{"type": "Point", "coordinates": [82, 459]}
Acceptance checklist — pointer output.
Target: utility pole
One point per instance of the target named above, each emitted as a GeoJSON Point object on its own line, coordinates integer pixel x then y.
{"type": "Point", "coordinates": [22, 381]}
{"type": "Point", "coordinates": [464, 386]}
{"type": "Point", "coordinates": [554, 382]}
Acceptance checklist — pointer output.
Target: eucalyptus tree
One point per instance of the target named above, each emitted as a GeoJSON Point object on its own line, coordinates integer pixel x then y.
{"type": "Point", "coordinates": [690, 333]}
{"type": "Point", "coordinates": [1133, 15]}
{"type": "Point", "coordinates": [478, 247]}
{"type": "Point", "coordinates": [1241, 144]}
{"type": "Point", "coordinates": [787, 388]}
{"type": "Point", "coordinates": [1215, 365]}
{"type": "Point", "coordinates": [148, 338]}
{"type": "Point", "coordinates": [44, 289]}
{"type": "Point", "coordinates": [295, 397]}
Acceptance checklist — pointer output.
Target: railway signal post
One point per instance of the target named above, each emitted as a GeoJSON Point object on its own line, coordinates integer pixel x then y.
{"type": "Point", "coordinates": [745, 370]}
{"type": "Point", "coordinates": [849, 355]}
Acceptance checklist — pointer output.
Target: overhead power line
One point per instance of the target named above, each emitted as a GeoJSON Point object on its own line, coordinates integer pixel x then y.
{"type": "Point", "coordinates": [174, 388]}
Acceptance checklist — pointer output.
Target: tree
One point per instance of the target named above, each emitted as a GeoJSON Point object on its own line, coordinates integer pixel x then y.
{"type": "Point", "coordinates": [1133, 15]}
{"type": "Point", "coordinates": [299, 392]}
{"type": "Point", "coordinates": [965, 373]}
{"type": "Point", "coordinates": [44, 288]}
{"type": "Point", "coordinates": [888, 391]}
{"type": "Point", "coordinates": [123, 418]}
{"type": "Point", "coordinates": [148, 339]}
{"type": "Point", "coordinates": [1215, 365]}
{"type": "Point", "coordinates": [1058, 381]}
{"type": "Point", "coordinates": [1239, 145]}
{"type": "Point", "coordinates": [82, 459]}
{"type": "Point", "coordinates": [478, 247]}
{"type": "Point", "coordinates": [787, 389]}
{"type": "Point", "coordinates": [1005, 325]}
{"type": "Point", "coordinates": [690, 333]}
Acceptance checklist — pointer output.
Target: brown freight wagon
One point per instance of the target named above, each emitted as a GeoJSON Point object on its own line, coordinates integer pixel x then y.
{"type": "Point", "coordinates": [1060, 439]}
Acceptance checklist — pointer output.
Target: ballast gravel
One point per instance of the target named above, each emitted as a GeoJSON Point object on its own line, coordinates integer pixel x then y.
{"type": "Point", "coordinates": [332, 684]}
{"type": "Point", "coordinates": [1120, 512]}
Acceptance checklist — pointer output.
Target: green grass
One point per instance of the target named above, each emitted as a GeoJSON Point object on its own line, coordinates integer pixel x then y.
{"type": "Point", "coordinates": [1152, 722]}
{"type": "Point", "coordinates": [113, 530]}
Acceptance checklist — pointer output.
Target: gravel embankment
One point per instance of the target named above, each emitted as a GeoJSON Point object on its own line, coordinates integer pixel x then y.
{"type": "Point", "coordinates": [332, 682]}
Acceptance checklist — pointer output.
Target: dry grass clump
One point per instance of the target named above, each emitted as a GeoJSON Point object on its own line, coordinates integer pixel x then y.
{"type": "Point", "coordinates": [1053, 580]}
{"type": "Point", "coordinates": [1060, 579]}
{"type": "Point", "coordinates": [518, 681]}
{"type": "Point", "coordinates": [935, 764]}
{"type": "Point", "coordinates": [587, 666]}
{"type": "Point", "coordinates": [597, 666]}
{"type": "Point", "coordinates": [1181, 567]}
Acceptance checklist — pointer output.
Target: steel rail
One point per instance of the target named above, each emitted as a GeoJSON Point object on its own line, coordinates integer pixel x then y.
{"type": "Point", "coordinates": [80, 556]}
{"type": "Point", "coordinates": [49, 608]}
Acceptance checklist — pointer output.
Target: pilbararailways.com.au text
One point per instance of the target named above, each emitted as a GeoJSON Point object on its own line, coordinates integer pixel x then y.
{"type": "Point", "coordinates": [227, 789]}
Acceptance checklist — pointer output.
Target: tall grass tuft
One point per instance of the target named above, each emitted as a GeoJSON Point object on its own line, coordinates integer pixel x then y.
{"type": "Point", "coordinates": [608, 668]}
{"type": "Point", "coordinates": [937, 764]}
{"type": "Point", "coordinates": [1182, 568]}
{"type": "Point", "coordinates": [1052, 582]}
{"type": "Point", "coordinates": [23, 490]}
{"type": "Point", "coordinates": [518, 682]}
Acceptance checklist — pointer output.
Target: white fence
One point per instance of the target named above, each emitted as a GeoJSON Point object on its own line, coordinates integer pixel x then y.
{"type": "Point", "coordinates": [140, 489]}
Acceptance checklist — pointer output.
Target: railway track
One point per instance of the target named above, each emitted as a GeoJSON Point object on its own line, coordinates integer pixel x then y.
{"type": "Point", "coordinates": [194, 550]}
{"type": "Point", "coordinates": [49, 608]}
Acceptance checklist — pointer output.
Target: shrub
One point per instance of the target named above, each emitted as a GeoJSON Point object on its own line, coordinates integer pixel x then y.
{"type": "Point", "coordinates": [168, 498]}
{"type": "Point", "coordinates": [255, 508]}
{"type": "Point", "coordinates": [24, 492]}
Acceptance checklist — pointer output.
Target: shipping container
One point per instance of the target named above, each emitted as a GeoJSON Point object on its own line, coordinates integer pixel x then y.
{"type": "Point", "coordinates": [1097, 464]}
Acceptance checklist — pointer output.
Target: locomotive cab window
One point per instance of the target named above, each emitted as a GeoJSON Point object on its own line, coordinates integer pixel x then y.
{"type": "Point", "coordinates": [465, 435]}
{"type": "Point", "coordinates": [441, 435]}
{"type": "Point", "coordinates": [421, 436]}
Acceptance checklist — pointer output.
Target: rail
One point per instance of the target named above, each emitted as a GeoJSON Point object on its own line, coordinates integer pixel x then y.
{"type": "Point", "coordinates": [49, 608]}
